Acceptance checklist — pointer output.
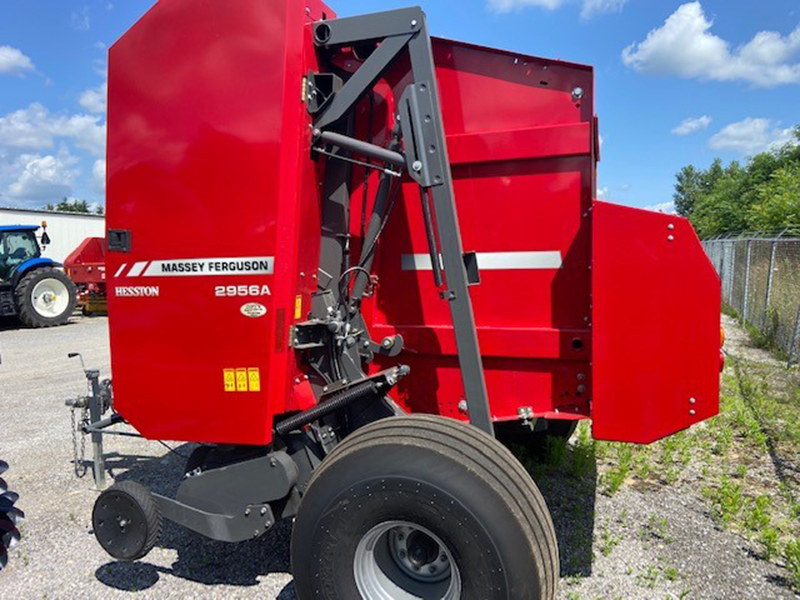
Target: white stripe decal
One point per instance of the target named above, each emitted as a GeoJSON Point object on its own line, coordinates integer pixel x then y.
{"type": "Point", "coordinates": [493, 261]}
{"type": "Point", "coordinates": [121, 269]}
{"type": "Point", "coordinates": [137, 269]}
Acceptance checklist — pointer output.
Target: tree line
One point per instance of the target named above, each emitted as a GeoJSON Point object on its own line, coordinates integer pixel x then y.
{"type": "Point", "coordinates": [75, 205]}
{"type": "Point", "coordinates": [763, 194]}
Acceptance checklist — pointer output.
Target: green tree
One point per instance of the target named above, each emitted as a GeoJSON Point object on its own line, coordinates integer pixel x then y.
{"type": "Point", "coordinates": [778, 203]}
{"type": "Point", "coordinates": [763, 194]}
{"type": "Point", "coordinates": [67, 205]}
{"type": "Point", "coordinates": [688, 190]}
{"type": "Point", "coordinates": [711, 177]}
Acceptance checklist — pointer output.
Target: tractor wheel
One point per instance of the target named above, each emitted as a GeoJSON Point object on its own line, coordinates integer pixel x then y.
{"type": "Point", "coordinates": [10, 518]}
{"type": "Point", "coordinates": [126, 521]}
{"type": "Point", "coordinates": [426, 508]}
{"type": "Point", "coordinates": [45, 297]}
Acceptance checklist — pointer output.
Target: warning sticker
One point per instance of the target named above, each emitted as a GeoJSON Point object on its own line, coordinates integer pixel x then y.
{"type": "Point", "coordinates": [241, 380]}
{"type": "Point", "coordinates": [298, 307]}
{"type": "Point", "coordinates": [230, 380]}
{"type": "Point", "coordinates": [254, 380]}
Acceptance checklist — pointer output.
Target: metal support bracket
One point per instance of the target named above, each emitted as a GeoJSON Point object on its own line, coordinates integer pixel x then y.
{"type": "Point", "coordinates": [393, 33]}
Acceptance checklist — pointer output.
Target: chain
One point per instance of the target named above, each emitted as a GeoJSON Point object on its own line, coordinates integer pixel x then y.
{"type": "Point", "coordinates": [79, 449]}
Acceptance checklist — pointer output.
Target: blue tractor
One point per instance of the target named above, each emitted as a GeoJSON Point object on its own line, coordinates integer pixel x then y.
{"type": "Point", "coordinates": [32, 288]}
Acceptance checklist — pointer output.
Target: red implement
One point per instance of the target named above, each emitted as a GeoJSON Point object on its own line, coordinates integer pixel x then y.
{"type": "Point", "coordinates": [583, 309]}
{"type": "Point", "coordinates": [86, 266]}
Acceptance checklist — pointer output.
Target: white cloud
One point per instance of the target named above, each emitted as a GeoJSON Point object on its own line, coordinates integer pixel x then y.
{"type": "Point", "coordinates": [80, 19]}
{"type": "Point", "coordinates": [44, 178]}
{"type": "Point", "coordinates": [685, 47]}
{"type": "Point", "coordinates": [13, 61]}
{"type": "Point", "coordinates": [667, 208]}
{"type": "Point", "coordinates": [602, 193]}
{"type": "Point", "coordinates": [503, 6]}
{"type": "Point", "coordinates": [94, 99]}
{"type": "Point", "coordinates": [751, 136]}
{"type": "Point", "coordinates": [596, 7]}
{"type": "Point", "coordinates": [34, 128]}
{"type": "Point", "coordinates": [590, 7]}
{"type": "Point", "coordinates": [99, 176]}
{"type": "Point", "coordinates": [692, 125]}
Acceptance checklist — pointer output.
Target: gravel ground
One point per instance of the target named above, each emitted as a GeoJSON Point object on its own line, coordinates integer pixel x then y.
{"type": "Point", "coordinates": [610, 547]}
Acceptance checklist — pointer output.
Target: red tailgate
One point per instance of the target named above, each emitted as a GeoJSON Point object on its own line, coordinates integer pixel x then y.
{"type": "Point", "coordinates": [656, 300]}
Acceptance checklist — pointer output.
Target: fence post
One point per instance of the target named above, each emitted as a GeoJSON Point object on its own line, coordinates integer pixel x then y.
{"type": "Point", "coordinates": [733, 273]}
{"type": "Point", "coordinates": [745, 303]}
{"type": "Point", "coordinates": [771, 276]}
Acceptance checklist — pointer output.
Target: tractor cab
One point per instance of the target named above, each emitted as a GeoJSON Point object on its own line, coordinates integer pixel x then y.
{"type": "Point", "coordinates": [18, 245]}
{"type": "Point", "coordinates": [32, 287]}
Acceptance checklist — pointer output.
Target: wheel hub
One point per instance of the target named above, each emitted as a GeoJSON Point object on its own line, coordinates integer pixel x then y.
{"type": "Point", "coordinates": [399, 559]}
{"type": "Point", "coordinates": [50, 298]}
{"type": "Point", "coordinates": [418, 554]}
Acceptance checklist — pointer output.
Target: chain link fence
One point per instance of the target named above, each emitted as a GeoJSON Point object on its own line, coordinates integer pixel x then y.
{"type": "Point", "coordinates": [761, 282]}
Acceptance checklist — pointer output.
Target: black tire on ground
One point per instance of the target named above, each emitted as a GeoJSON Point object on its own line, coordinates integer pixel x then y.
{"type": "Point", "coordinates": [126, 520]}
{"type": "Point", "coordinates": [25, 303]}
{"type": "Point", "coordinates": [10, 518]}
{"type": "Point", "coordinates": [458, 487]}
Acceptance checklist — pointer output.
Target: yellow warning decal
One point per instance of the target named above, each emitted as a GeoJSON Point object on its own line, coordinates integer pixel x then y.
{"type": "Point", "coordinates": [241, 380]}
{"type": "Point", "coordinates": [230, 380]}
{"type": "Point", "coordinates": [254, 380]}
{"type": "Point", "coordinates": [298, 307]}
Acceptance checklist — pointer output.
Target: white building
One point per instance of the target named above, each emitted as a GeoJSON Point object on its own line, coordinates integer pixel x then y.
{"type": "Point", "coordinates": [66, 229]}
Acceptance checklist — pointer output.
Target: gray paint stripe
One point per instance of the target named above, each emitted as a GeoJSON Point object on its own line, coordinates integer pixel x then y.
{"type": "Point", "coordinates": [493, 261]}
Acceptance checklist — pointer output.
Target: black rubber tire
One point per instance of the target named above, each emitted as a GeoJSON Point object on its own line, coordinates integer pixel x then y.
{"type": "Point", "coordinates": [10, 518]}
{"type": "Point", "coordinates": [451, 478]}
{"type": "Point", "coordinates": [143, 512]}
{"type": "Point", "coordinates": [25, 310]}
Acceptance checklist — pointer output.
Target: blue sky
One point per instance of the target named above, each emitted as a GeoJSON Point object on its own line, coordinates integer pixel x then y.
{"type": "Point", "coordinates": [677, 82]}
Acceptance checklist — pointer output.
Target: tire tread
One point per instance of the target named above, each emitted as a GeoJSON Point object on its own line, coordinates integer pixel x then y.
{"type": "Point", "coordinates": [481, 454]}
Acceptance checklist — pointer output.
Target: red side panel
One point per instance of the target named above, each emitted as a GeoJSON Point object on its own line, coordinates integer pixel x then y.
{"type": "Point", "coordinates": [522, 153]}
{"type": "Point", "coordinates": [209, 172]}
{"type": "Point", "coordinates": [656, 321]}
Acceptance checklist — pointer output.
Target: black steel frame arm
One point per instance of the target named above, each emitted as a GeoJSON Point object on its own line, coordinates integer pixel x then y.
{"type": "Point", "coordinates": [389, 35]}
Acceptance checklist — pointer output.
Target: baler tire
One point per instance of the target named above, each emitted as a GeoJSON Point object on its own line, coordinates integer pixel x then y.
{"type": "Point", "coordinates": [449, 480]}
{"type": "Point", "coordinates": [140, 498]}
{"type": "Point", "coordinates": [26, 311]}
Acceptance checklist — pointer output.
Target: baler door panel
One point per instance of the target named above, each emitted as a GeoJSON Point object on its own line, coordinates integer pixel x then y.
{"type": "Point", "coordinates": [656, 318]}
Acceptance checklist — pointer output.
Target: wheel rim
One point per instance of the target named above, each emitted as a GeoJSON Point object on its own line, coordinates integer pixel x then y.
{"type": "Point", "coordinates": [119, 525]}
{"type": "Point", "coordinates": [399, 560]}
{"type": "Point", "coordinates": [50, 298]}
